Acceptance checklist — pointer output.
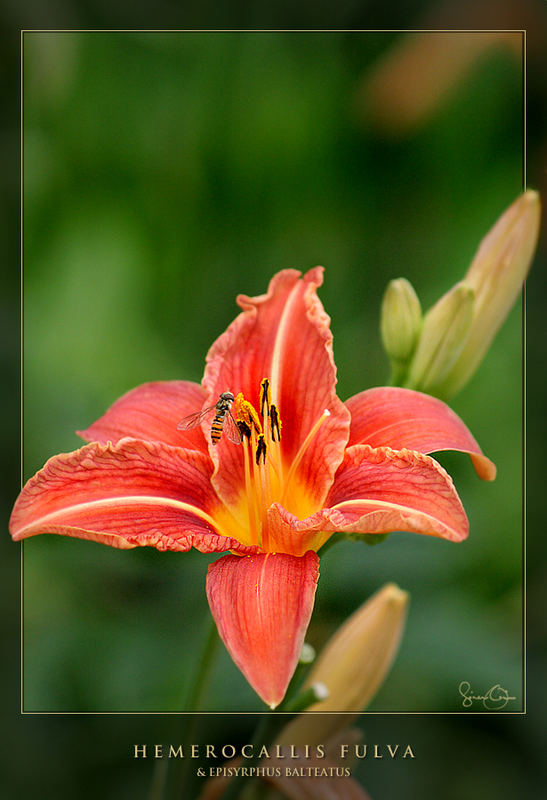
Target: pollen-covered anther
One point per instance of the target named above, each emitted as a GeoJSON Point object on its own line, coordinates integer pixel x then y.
{"type": "Point", "coordinates": [275, 424]}
{"type": "Point", "coordinates": [260, 450]}
{"type": "Point", "coordinates": [246, 413]}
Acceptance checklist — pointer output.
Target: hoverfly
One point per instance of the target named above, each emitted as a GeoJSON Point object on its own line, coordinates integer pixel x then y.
{"type": "Point", "coordinates": [223, 420]}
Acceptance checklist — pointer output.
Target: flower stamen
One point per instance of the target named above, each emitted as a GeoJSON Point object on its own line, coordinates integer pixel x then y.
{"type": "Point", "coordinates": [244, 430]}
{"type": "Point", "coordinates": [260, 450]}
{"type": "Point", "coordinates": [246, 413]}
{"type": "Point", "coordinates": [265, 478]}
{"type": "Point", "coordinates": [265, 397]}
{"type": "Point", "coordinates": [253, 512]}
{"type": "Point", "coordinates": [272, 432]}
{"type": "Point", "coordinates": [275, 424]}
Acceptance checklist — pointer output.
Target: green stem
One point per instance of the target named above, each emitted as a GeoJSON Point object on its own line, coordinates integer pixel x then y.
{"type": "Point", "coordinates": [399, 372]}
{"type": "Point", "coordinates": [269, 727]}
{"type": "Point", "coordinates": [334, 539]}
{"type": "Point", "coordinates": [293, 689]}
{"type": "Point", "coordinates": [302, 701]}
{"type": "Point", "coordinates": [192, 703]}
{"type": "Point", "coordinates": [202, 675]}
{"type": "Point", "coordinates": [159, 779]}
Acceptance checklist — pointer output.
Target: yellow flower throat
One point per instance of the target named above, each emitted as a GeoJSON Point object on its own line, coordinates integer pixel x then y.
{"type": "Point", "coordinates": [268, 477]}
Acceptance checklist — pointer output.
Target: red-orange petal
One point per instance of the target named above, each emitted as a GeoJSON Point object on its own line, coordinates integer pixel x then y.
{"type": "Point", "coordinates": [152, 412]}
{"type": "Point", "coordinates": [262, 606]}
{"type": "Point", "coordinates": [283, 335]}
{"type": "Point", "coordinates": [390, 416]}
{"type": "Point", "coordinates": [378, 490]}
{"type": "Point", "coordinates": [125, 495]}
{"type": "Point", "coordinates": [289, 534]}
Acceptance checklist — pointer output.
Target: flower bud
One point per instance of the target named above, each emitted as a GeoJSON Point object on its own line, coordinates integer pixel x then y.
{"type": "Point", "coordinates": [445, 331]}
{"type": "Point", "coordinates": [400, 321]}
{"type": "Point", "coordinates": [496, 275]}
{"type": "Point", "coordinates": [352, 665]}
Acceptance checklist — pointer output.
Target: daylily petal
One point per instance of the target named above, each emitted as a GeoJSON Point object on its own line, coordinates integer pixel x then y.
{"type": "Point", "coordinates": [378, 490]}
{"type": "Point", "coordinates": [152, 412]}
{"type": "Point", "coordinates": [283, 335]}
{"type": "Point", "coordinates": [389, 416]}
{"type": "Point", "coordinates": [262, 606]}
{"type": "Point", "coordinates": [124, 495]}
{"type": "Point", "coordinates": [288, 534]}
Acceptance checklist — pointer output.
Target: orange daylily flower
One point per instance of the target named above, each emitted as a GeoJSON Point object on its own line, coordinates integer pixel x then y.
{"type": "Point", "coordinates": [309, 465]}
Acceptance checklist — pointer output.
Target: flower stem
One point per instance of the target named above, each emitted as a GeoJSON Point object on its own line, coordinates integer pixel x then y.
{"type": "Point", "coordinates": [398, 374]}
{"type": "Point", "coordinates": [331, 541]}
{"type": "Point", "coordinates": [203, 670]}
{"type": "Point", "coordinates": [302, 701]}
{"type": "Point", "coordinates": [194, 698]}
{"type": "Point", "coordinates": [270, 725]}
{"type": "Point", "coordinates": [187, 724]}
{"type": "Point", "coordinates": [267, 729]}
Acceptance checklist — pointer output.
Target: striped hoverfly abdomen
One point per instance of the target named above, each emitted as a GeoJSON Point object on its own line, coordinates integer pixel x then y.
{"type": "Point", "coordinates": [223, 421]}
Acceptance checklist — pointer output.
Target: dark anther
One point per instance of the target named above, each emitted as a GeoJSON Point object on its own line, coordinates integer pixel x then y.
{"type": "Point", "coordinates": [275, 425]}
{"type": "Point", "coordinates": [244, 429]}
{"type": "Point", "coordinates": [260, 449]}
{"type": "Point", "coordinates": [264, 395]}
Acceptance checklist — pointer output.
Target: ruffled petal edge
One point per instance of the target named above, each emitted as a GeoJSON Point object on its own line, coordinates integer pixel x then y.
{"type": "Point", "coordinates": [390, 416]}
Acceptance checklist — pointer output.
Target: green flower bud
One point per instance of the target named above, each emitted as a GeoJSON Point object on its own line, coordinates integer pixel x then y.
{"type": "Point", "coordinates": [400, 321]}
{"type": "Point", "coordinates": [445, 332]}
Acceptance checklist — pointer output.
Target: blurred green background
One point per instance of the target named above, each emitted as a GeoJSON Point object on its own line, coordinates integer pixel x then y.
{"type": "Point", "coordinates": [163, 174]}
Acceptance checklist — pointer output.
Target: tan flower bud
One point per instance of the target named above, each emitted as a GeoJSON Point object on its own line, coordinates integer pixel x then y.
{"type": "Point", "coordinates": [496, 275]}
{"type": "Point", "coordinates": [352, 665]}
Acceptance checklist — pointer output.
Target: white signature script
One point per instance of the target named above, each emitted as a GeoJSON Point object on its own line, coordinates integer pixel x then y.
{"type": "Point", "coordinates": [495, 698]}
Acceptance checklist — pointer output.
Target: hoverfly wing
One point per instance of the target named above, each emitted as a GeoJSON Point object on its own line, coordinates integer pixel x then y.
{"type": "Point", "coordinates": [231, 430]}
{"type": "Point", "coordinates": [193, 420]}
